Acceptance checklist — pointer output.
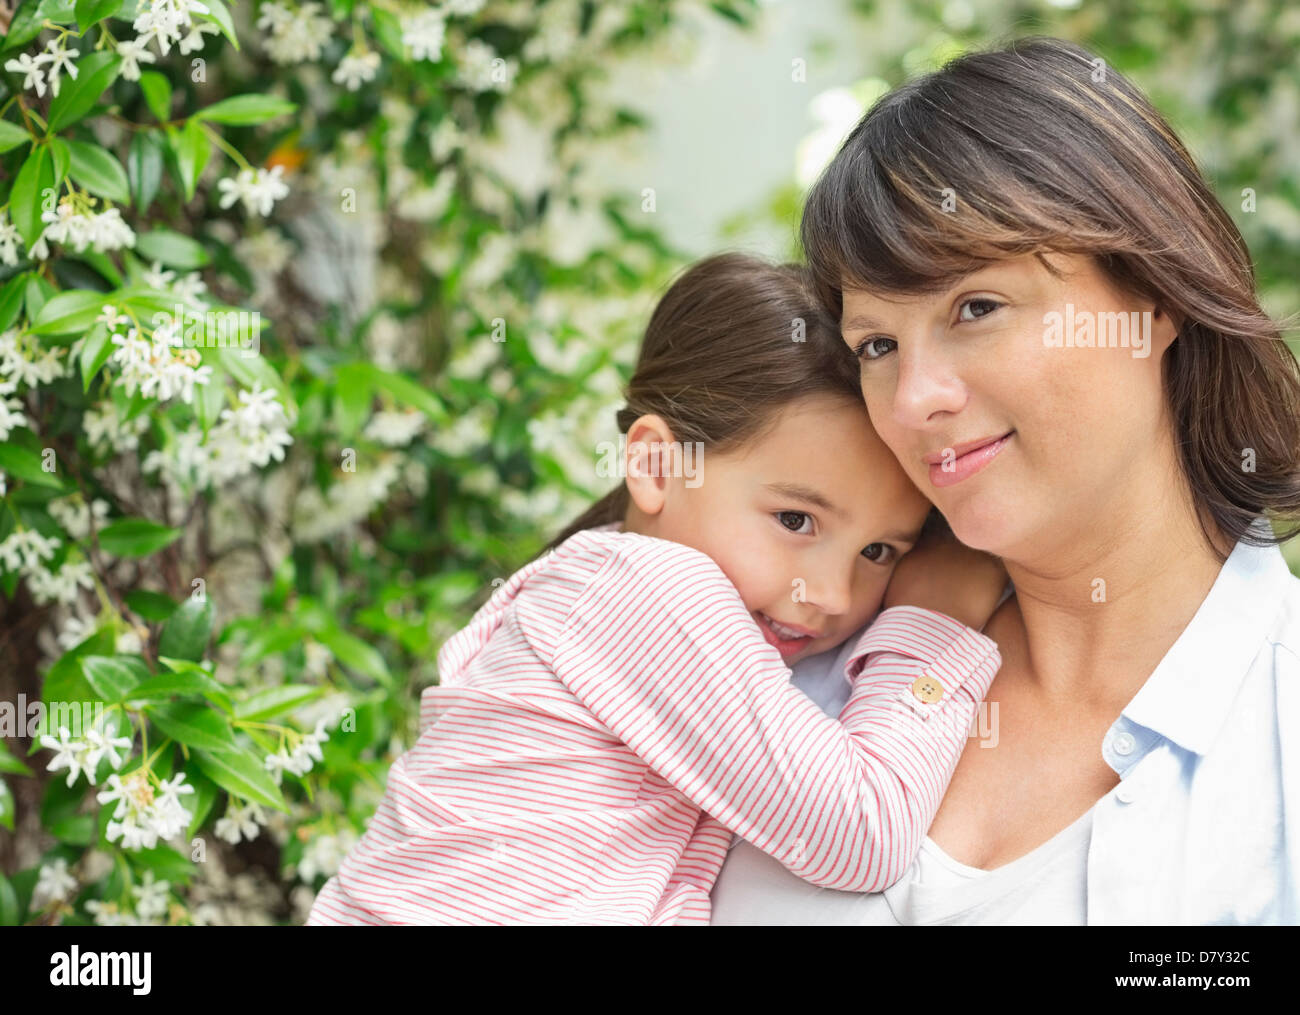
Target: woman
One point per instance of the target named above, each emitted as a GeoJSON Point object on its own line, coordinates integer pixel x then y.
{"type": "Point", "coordinates": [1060, 340]}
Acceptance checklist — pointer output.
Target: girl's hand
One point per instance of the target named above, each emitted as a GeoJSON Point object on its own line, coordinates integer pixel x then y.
{"type": "Point", "coordinates": [946, 576]}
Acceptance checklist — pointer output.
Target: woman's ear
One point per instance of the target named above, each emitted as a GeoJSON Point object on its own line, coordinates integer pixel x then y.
{"type": "Point", "coordinates": [648, 463]}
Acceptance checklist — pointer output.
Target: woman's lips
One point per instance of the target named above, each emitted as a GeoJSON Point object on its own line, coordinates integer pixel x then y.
{"type": "Point", "coordinates": [785, 645]}
{"type": "Point", "coordinates": [968, 463]}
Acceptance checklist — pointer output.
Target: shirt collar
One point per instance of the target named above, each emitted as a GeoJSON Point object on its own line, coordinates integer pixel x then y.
{"type": "Point", "coordinates": [1187, 697]}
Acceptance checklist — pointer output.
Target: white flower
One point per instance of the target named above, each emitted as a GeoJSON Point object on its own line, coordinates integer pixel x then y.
{"type": "Point", "coordinates": [53, 883]}
{"type": "Point", "coordinates": [193, 42]}
{"type": "Point", "coordinates": [9, 239]}
{"type": "Point", "coordinates": [69, 754]}
{"type": "Point", "coordinates": [394, 429]}
{"type": "Point", "coordinates": [59, 57]}
{"type": "Point", "coordinates": [324, 854]}
{"type": "Point", "coordinates": [424, 34]}
{"type": "Point", "coordinates": [462, 8]}
{"type": "Point", "coordinates": [142, 816]}
{"type": "Point", "coordinates": [24, 64]}
{"type": "Point", "coordinates": [151, 896]}
{"type": "Point", "coordinates": [355, 69]}
{"type": "Point", "coordinates": [294, 36]}
{"type": "Point", "coordinates": [133, 53]}
{"type": "Point", "coordinates": [483, 70]}
{"type": "Point", "coordinates": [156, 277]}
{"type": "Point", "coordinates": [101, 745]}
{"type": "Point", "coordinates": [257, 188]}
{"type": "Point", "coordinates": [75, 631]}
{"type": "Point", "coordinates": [240, 822]}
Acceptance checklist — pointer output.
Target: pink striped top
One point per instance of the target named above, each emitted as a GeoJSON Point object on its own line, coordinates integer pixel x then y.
{"type": "Point", "coordinates": [613, 714]}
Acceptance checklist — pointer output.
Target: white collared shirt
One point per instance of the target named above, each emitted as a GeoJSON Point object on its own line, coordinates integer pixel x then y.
{"type": "Point", "coordinates": [1204, 826]}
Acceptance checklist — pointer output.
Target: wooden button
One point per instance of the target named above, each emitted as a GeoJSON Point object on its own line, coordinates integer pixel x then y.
{"type": "Point", "coordinates": [927, 689]}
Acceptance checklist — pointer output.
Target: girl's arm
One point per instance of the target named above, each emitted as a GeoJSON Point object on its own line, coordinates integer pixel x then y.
{"type": "Point", "coordinates": [661, 649]}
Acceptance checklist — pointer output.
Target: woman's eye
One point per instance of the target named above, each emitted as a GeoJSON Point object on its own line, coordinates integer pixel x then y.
{"type": "Point", "coordinates": [794, 521]}
{"type": "Point", "coordinates": [980, 308]}
{"type": "Point", "coordinates": [873, 348]}
{"type": "Point", "coordinates": [878, 553]}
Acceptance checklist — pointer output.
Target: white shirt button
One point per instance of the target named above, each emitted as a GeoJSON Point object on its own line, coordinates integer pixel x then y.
{"type": "Point", "coordinates": [1123, 743]}
{"type": "Point", "coordinates": [1124, 794]}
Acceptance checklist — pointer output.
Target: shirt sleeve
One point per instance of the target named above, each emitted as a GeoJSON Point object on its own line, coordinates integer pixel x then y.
{"type": "Point", "coordinates": [662, 650]}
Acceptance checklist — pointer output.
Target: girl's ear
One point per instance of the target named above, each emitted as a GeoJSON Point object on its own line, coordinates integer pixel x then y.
{"type": "Point", "coordinates": [648, 463]}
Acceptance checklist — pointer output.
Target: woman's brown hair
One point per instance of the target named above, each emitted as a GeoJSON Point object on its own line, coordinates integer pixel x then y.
{"type": "Point", "coordinates": [733, 339]}
{"type": "Point", "coordinates": [1041, 146]}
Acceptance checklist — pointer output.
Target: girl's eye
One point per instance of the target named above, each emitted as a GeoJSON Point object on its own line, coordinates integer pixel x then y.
{"type": "Point", "coordinates": [986, 307]}
{"type": "Point", "coordinates": [872, 348]}
{"type": "Point", "coordinates": [879, 553]}
{"type": "Point", "coordinates": [794, 521]}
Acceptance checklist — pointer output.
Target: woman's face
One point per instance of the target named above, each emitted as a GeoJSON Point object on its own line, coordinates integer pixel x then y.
{"type": "Point", "coordinates": [1020, 433]}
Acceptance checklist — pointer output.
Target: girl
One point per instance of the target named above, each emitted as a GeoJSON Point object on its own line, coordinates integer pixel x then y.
{"type": "Point", "coordinates": [622, 704]}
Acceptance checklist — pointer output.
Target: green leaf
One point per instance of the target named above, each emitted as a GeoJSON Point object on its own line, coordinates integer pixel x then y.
{"type": "Point", "coordinates": [185, 678]}
{"type": "Point", "coordinates": [172, 249]}
{"type": "Point", "coordinates": [136, 537]}
{"type": "Point", "coordinates": [165, 862]}
{"type": "Point", "coordinates": [91, 12]}
{"type": "Point", "coordinates": [68, 312]}
{"type": "Point", "coordinates": [37, 293]}
{"type": "Point", "coordinates": [94, 74]}
{"type": "Point", "coordinates": [220, 16]}
{"type": "Point", "coordinates": [9, 914]}
{"type": "Point", "coordinates": [388, 30]}
{"type": "Point", "coordinates": [59, 159]}
{"type": "Point", "coordinates": [243, 774]}
{"type": "Point", "coordinates": [113, 677]}
{"type": "Point", "coordinates": [35, 178]}
{"type": "Point", "coordinates": [192, 148]}
{"type": "Point", "coordinates": [352, 651]}
{"type": "Point", "coordinates": [94, 354]}
{"type": "Point", "coordinates": [273, 701]}
{"type": "Point", "coordinates": [12, 135]}
{"type": "Point", "coordinates": [25, 25]}
{"type": "Point", "coordinates": [151, 605]}
{"type": "Point", "coordinates": [65, 681]}
{"type": "Point", "coordinates": [26, 465]}
{"type": "Point", "coordinates": [408, 392]}
{"type": "Point", "coordinates": [205, 795]}
{"type": "Point", "coordinates": [186, 633]}
{"type": "Point", "coordinates": [8, 763]}
{"type": "Point", "coordinates": [11, 300]}
{"type": "Point", "coordinates": [197, 726]}
{"type": "Point", "coordinates": [6, 806]}
{"type": "Point", "coordinates": [144, 168]}
{"type": "Point", "coordinates": [244, 110]}
{"type": "Point", "coordinates": [76, 830]}
{"type": "Point", "coordinates": [99, 172]}
{"type": "Point", "coordinates": [352, 393]}
{"type": "Point", "coordinates": [157, 93]}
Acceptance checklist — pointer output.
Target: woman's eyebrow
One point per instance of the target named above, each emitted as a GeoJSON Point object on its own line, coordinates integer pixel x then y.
{"type": "Point", "coordinates": [806, 494]}
{"type": "Point", "coordinates": [859, 321]}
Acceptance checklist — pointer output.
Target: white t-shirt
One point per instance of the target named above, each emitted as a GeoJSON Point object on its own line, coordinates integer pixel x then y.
{"type": "Point", "coordinates": [1046, 886]}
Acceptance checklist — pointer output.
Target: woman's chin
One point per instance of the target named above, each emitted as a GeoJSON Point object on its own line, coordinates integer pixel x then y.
{"type": "Point", "coordinates": [984, 525]}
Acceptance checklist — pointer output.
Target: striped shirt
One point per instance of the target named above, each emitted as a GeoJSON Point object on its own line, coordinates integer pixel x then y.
{"type": "Point", "coordinates": [613, 714]}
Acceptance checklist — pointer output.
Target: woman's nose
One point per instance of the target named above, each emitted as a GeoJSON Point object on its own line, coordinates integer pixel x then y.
{"type": "Point", "coordinates": [927, 384]}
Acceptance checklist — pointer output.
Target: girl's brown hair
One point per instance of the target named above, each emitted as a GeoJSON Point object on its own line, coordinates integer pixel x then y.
{"type": "Point", "coordinates": [1041, 146]}
{"type": "Point", "coordinates": [733, 339]}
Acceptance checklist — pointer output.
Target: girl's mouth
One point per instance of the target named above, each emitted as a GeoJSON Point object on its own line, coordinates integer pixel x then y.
{"type": "Point", "coordinates": [788, 640]}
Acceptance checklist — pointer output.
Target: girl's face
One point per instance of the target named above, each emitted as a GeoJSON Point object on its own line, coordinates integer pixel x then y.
{"type": "Point", "coordinates": [807, 521]}
{"type": "Point", "coordinates": [1022, 440]}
